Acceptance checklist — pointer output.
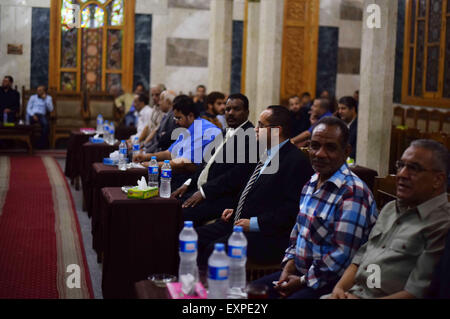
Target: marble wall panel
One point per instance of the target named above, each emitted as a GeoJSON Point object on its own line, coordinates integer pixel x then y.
{"type": "Point", "coordinates": [190, 4]}
{"type": "Point", "coordinates": [329, 14]}
{"type": "Point", "coordinates": [349, 60]}
{"type": "Point", "coordinates": [40, 41]}
{"type": "Point", "coordinates": [327, 59]}
{"type": "Point", "coordinates": [347, 84]}
{"type": "Point", "coordinates": [236, 56]}
{"type": "Point", "coordinates": [142, 49]}
{"type": "Point", "coordinates": [399, 51]}
{"type": "Point", "coordinates": [185, 79]}
{"type": "Point", "coordinates": [350, 34]}
{"type": "Point", "coordinates": [351, 10]}
{"type": "Point", "coordinates": [188, 24]}
{"type": "Point", "coordinates": [187, 52]}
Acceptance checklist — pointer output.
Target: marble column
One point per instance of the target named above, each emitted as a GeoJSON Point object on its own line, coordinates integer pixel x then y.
{"type": "Point", "coordinates": [377, 87]}
{"type": "Point", "coordinates": [251, 56]}
{"type": "Point", "coordinates": [269, 58]}
{"type": "Point", "coordinates": [220, 44]}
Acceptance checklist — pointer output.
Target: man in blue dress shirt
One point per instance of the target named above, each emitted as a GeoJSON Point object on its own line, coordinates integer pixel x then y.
{"type": "Point", "coordinates": [37, 108]}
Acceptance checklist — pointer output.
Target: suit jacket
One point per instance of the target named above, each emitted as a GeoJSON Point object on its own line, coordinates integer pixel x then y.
{"type": "Point", "coordinates": [162, 139]}
{"type": "Point", "coordinates": [227, 179]}
{"type": "Point", "coordinates": [352, 137]}
{"type": "Point", "coordinates": [275, 198]}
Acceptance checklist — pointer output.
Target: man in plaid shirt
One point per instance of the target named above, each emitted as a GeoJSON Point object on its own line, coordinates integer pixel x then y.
{"type": "Point", "coordinates": [337, 212]}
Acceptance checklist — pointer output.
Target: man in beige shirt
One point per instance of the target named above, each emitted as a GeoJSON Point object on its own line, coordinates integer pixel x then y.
{"type": "Point", "coordinates": [408, 238]}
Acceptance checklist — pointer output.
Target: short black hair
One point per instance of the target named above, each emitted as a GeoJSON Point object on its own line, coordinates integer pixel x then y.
{"type": "Point", "coordinates": [201, 86]}
{"type": "Point", "coordinates": [240, 96]}
{"type": "Point", "coordinates": [334, 121]}
{"type": "Point", "coordinates": [282, 117]}
{"type": "Point", "coordinates": [349, 102]}
{"type": "Point", "coordinates": [325, 104]}
{"type": "Point", "coordinates": [294, 97]}
{"type": "Point", "coordinates": [10, 78]}
{"type": "Point", "coordinates": [185, 105]}
{"type": "Point", "coordinates": [213, 97]}
{"type": "Point", "coordinates": [140, 84]}
{"type": "Point", "coordinates": [306, 94]}
{"type": "Point", "coordinates": [143, 98]}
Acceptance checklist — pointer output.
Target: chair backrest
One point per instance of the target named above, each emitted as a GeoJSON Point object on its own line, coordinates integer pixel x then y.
{"type": "Point", "coordinates": [446, 123]}
{"type": "Point", "coordinates": [384, 190]}
{"type": "Point", "coordinates": [410, 118]}
{"type": "Point", "coordinates": [69, 105]}
{"type": "Point", "coordinates": [366, 174]}
{"type": "Point", "coordinates": [422, 120]}
{"type": "Point", "coordinates": [435, 121]}
{"type": "Point", "coordinates": [100, 103]}
{"type": "Point", "coordinates": [399, 116]}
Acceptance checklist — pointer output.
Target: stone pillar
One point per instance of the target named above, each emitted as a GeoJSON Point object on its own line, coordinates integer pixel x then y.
{"type": "Point", "coordinates": [220, 44]}
{"type": "Point", "coordinates": [377, 87]}
{"type": "Point", "coordinates": [269, 58]}
{"type": "Point", "coordinates": [251, 56]}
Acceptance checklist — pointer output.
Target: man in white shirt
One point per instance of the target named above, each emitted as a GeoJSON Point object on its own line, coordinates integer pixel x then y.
{"type": "Point", "coordinates": [144, 115]}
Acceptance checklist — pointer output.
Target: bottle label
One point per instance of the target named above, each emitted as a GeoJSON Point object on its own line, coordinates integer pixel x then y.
{"type": "Point", "coordinates": [188, 246]}
{"type": "Point", "coordinates": [166, 173]}
{"type": "Point", "coordinates": [237, 252]}
{"type": "Point", "coordinates": [136, 147]}
{"type": "Point", "coordinates": [218, 273]}
{"type": "Point", "coordinates": [153, 170]}
{"type": "Point", "coordinates": [123, 151]}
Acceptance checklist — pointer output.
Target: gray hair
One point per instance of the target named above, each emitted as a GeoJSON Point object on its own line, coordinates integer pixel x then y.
{"type": "Point", "coordinates": [440, 153]}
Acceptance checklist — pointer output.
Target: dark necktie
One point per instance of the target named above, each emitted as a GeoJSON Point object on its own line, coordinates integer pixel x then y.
{"type": "Point", "coordinates": [247, 189]}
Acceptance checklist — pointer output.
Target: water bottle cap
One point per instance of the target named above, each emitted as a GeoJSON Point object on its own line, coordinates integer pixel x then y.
{"type": "Point", "coordinates": [154, 158]}
{"type": "Point", "coordinates": [122, 141]}
{"type": "Point", "coordinates": [219, 247]}
{"type": "Point", "coordinates": [238, 229]}
{"type": "Point", "coordinates": [188, 223]}
{"type": "Point", "coordinates": [166, 161]}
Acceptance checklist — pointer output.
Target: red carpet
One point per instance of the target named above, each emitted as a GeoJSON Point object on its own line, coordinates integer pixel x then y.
{"type": "Point", "coordinates": [39, 232]}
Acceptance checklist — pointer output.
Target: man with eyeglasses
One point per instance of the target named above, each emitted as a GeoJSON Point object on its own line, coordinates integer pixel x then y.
{"type": "Point", "coordinates": [335, 216]}
{"type": "Point", "coordinates": [409, 236]}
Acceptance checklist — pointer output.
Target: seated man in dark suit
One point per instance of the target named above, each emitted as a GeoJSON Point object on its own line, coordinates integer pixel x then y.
{"type": "Point", "coordinates": [348, 112]}
{"type": "Point", "coordinates": [269, 202]}
{"type": "Point", "coordinates": [440, 285]}
{"type": "Point", "coordinates": [217, 184]}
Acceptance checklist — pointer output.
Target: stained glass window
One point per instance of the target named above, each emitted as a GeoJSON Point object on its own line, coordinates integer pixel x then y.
{"type": "Point", "coordinates": [83, 51]}
{"type": "Point", "coordinates": [115, 12]}
{"type": "Point", "coordinates": [92, 17]}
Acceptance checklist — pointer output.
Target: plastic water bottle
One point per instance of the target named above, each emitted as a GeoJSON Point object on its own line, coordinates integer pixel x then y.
{"type": "Point", "coordinates": [112, 131]}
{"type": "Point", "coordinates": [188, 251]}
{"type": "Point", "coordinates": [153, 174]}
{"type": "Point", "coordinates": [218, 268]}
{"type": "Point", "coordinates": [237, 251]}
{"type": "Point", "coordinates": [5, 117]}
{"type": "Point", "coordinates": [106, 131]}
{"type": "Point", "coordinates": [99, 124]}
{"type": "Point", "coordinates": [136, 147]}
{"type": "Point", "coordinates": [123, 152]}
{"type": "Point", "coordinates": [166, 176]}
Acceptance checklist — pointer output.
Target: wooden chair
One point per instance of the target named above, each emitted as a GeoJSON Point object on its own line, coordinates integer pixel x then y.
{"type": "Point", "coordinates": [384, 190]}
{"type": "Point", "coordinates": [422, 120]}
{"type": "Point", "coordinates": [446, 123]}
{"type": "Point", "coordinates": [435, 121]}
{"type": "Point", "coordinates": [255, 271]}
{"type": "Point", "coordinates": [410, 118]}
{"type": "Point", "coordinates": [100, 103]}
{"type": "Point", "coordinates": [399, 116]}
{"type": "Point", "coordinates": [69, 115]}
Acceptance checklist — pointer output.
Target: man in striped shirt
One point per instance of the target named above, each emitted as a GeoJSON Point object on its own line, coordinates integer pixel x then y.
{"type": "Point", "coordinates": [337, 212]}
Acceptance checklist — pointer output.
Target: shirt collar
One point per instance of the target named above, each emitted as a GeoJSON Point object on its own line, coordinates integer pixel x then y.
{"type": "Point", "coordinates": [337, 178]}
{"type": "Point", "coordinates": [426, 208]}
{"type": "Point", "coordinates": [350, 124]}
{"type": "Point", "coordinates": [231, 131]}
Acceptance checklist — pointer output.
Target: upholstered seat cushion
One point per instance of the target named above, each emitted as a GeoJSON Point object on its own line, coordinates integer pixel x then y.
{"type": "Point", "coordinates": [105, 108]}
{"type": "Point", "coordinates": [70, 122]}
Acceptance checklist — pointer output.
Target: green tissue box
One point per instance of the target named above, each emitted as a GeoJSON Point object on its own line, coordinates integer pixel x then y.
{"type": "Point", "coordinates": [142, 194]}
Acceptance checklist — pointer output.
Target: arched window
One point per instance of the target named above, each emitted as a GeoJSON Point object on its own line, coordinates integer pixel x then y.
{"type": "Point", "coordinates": [426, 66]}
{"type": "Point", "coordinates": [91, 45]}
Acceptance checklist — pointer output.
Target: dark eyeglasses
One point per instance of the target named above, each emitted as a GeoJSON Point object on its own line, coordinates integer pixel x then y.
{"type": "Point", "coordinates": [413, 168]}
